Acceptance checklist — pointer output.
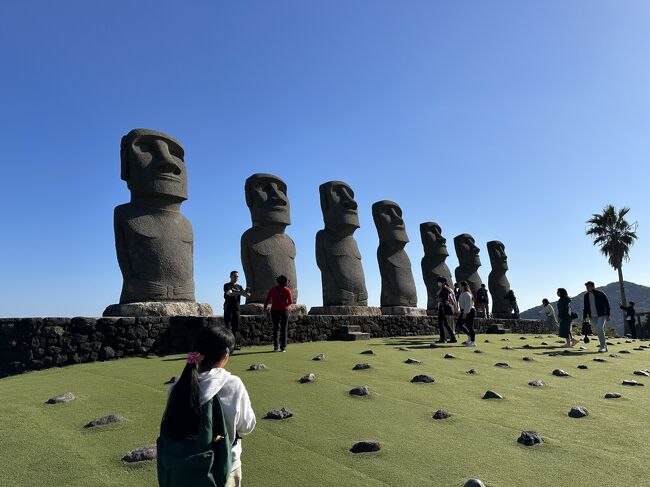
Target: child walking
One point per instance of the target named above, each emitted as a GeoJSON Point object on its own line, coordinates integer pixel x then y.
{"type": "Point", "coordinates": [205, 398]}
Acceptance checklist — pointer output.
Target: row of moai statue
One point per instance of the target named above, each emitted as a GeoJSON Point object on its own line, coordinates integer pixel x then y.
{"type": "Point", "coordinates": [154, 244]}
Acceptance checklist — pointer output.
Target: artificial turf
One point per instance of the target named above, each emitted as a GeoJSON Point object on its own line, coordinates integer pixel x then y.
{"type": "Point", "coordinates": [44, 444]}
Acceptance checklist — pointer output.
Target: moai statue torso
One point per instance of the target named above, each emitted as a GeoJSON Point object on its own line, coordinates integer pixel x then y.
{"type": "Point", "coordinates": [468, 260]}
{"type": "Point", "coordinates": [433, 262]}
{"type": "Point", "coordinates": [154, 242]}
{"type": "Point", "coordinates": [397, 283]}
{"type": "Point", "coordinates": [337, 253]}
{"type": "Point", "coordinates": [498, 283]}
{"type": "Point", "coordinates": [266, 251]}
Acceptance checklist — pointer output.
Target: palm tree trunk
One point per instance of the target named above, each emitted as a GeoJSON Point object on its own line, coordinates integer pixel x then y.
{"type": "Point", "coordinates": [626, 326]}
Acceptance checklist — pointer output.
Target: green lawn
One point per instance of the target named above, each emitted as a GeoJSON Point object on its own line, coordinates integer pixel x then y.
{"type": "Point", "coordinates": [47, 445]}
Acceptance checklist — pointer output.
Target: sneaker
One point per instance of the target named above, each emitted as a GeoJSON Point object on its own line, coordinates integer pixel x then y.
{"type": "Point", "coordinates": [470, 344]}
{"type": "Point", "coordinates": [283, 350]}
{"type": "Point", "coordinates": [276, 349]}
{"type": "Point", "coordinates": [602, 350]}
{"type": "Point", "coordinates": [453, 340]}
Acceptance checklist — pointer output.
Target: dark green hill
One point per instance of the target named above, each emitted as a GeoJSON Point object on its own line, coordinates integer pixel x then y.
{"type": "Point", "coordinates": [634, 292]}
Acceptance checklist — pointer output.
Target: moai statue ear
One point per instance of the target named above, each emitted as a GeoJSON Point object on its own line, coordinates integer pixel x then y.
{"type": "Point", "coordinates": [124, 158]}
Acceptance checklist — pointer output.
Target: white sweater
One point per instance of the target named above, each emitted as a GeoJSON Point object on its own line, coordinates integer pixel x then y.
{"type": "Point", "coordinates": [466, 302]}
{"type": "Point", "coordinates": [237, 410]}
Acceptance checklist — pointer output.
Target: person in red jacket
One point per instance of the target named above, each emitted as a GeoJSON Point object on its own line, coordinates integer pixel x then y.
{"type": "Point", "coordinates": [281, 300]}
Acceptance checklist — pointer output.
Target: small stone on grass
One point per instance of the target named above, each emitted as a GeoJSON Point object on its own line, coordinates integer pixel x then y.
{"type": "Point", "coordinates": [365, 447]}
{"type": "Point", "coordinates": [140, 454]}
{"type": "Point", "coordinates": [62, 398]}
{"type": "Point", "coordinates": [578, 412]}
{"type": "Point", "coordinates": [530, 438]}
{"type": "Point", "coordinates": [111, 418]}
{"type": "Point", "coordinates": [282, 413]}
{"type": "Point", "coordinates": [426, 379]}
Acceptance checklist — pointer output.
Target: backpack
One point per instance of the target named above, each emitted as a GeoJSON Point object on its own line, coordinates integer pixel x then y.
{"type": "Point", "coordinates": [201, 461]}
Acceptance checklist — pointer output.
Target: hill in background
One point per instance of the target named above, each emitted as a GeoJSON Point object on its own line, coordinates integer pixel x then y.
{"type": "Point", "coordinates": [634, 292]}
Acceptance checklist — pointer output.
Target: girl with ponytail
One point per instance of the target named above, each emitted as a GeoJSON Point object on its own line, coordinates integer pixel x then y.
{"type": "Point", "coordinates": [204, 378]}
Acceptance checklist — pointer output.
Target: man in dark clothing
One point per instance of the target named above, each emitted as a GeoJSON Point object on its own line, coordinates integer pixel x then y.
{"type": "Point", "coordinates": [630, 318]}
{"type": "Point", "coordinates": [232, 292]}
{"type": "Point", "coordinates": [483, 301]}
{"type": "Point", "coordinates": [596, 308]}
{"type": "Point", "coordinates": [446, 301]}
{"type": "Point", "coordinates": [513, 302]}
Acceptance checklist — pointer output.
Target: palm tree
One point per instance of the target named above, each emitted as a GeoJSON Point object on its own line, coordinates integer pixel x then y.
{"type": "Point", "coordinates": [615, 237]}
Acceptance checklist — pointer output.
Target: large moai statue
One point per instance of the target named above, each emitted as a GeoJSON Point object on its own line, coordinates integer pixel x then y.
{"type": "Point", "coordinates": [266, 251]}
{"type": "Point", "coordinates": [338, 256]}
{"type": "Point", "coordinates": [498, 283]}
{"type": "Point", "coordinates": [468, 261]}
{"type": "Point", "coordinates": [433, 262]}
{"type": "Point", "coordinates": [398, 293]}
{"type": "Point", "coordinates": [153, 240]}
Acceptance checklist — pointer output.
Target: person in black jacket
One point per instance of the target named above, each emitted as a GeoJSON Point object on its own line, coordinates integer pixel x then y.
{"type": "Point", "coordinates": [232, 292]}
{"type": "Point", "coordinates": [630, 318]}
{"type": "Point", "coordinates": [596, 308]}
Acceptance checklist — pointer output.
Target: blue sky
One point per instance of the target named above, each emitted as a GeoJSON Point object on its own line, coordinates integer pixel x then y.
{"type": "Point", "coordinates": [508, 120]}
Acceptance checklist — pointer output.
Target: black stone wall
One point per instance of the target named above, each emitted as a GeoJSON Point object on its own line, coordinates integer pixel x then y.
{"type": "Point", "coordinates": [39, 343]}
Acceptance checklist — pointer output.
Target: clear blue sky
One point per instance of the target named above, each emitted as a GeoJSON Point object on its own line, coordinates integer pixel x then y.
{"type": "Point", "coordinates": [508, 120]}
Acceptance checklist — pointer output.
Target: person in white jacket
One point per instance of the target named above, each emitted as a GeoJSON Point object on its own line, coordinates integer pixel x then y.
{"type": "Point", "coordinates": [204, 377]}
{"type": "Point", "coordinates": [467, 313]}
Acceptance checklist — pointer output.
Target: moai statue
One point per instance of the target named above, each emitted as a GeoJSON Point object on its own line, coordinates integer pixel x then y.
{"type": "Point", "coordinates": [398, 292]}
{"type": "Point", "coordinates": [266, 251]}
{"type": "Point", "coordinates": [153, 240]}
{"type": "Point", "coordinates": [498, 283]}
{"type": "Point", "coordinates": [337, 253]}
{"type": "Point", "coordinates": [468, 261]}
{"type": "Point", "coordinates": [433, 262]}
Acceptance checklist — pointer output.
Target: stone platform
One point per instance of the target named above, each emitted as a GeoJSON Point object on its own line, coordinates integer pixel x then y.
{"type": "Point", "coordinates": [159, 308]}
{"type": "Point", "coordinates": [403, 311]}
{"type": "Point", "coordinates": [345, 311]}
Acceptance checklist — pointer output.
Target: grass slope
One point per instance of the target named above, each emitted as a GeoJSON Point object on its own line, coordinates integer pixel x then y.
{"type": "Point", "coordinates": [47, 445]}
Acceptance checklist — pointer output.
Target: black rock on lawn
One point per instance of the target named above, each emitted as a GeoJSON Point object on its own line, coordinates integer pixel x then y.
{"type": "Point", "coordinates": [530, 438]}
{"type": "Point", "coordinates": [502, 365]}
{"type": "Point", "coordinates": [528, 359]}
{"type": "Point", "coordinates": [257, 367]}
{"type": "Point", "coordinates": [307, 378]}
{"type": "Point", "coordinates": [362, 367]}
{"type": "Point", "coordinates": [613, 395]}
{"type": "Point", "coordinates": [441, 414]}
{"type": "Point", "coordinates": [472, 372]}
{"type": "Point", "coordinates": [412, 361]}
{"type": "Point", "coordinates": [320, 356]}
{"type": "Point", "coordinates": [140, 454]}
{"type": "Point", "coordinates": [642, 372]}
{"type": "Point", "coordinates": [282, 413]}
{"type": "Point", "coordinates": [537, 383]}
{"type": "Point", "coordinates": [359, 391]}
{"type": "Point", "coordinates": [474, 483]}
{"type": "Point", "coordinates": [62, 398]}
{"type": "Point", "coordinates": [448, 355]}
{"type": "Point", "coordinates": [492, 395]}
{"type": "Point", "coordinates": [426, 379]}
{"type": "Point", "coordinates": [110, 419]}
{"type": "Point", "coordinates": [367, 352]}
{"type": "Point", "coordinates": [600, 360]}
{"type": "Point", "coordinates": [630, 382]}
{"type": "Point", "coordinates": [578, 412]}
{"type": "Point", "coordinates": [365, 447]}
{"type": "Point", "coordinates": [583, 367]}
{"type": "Point", "coordinates": [478, 350]}
{"type": "Point", "coordinates": [560, 373]}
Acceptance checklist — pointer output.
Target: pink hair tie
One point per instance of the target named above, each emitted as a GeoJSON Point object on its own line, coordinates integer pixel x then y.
{"type": "Point", "coordinates": [194, 358]}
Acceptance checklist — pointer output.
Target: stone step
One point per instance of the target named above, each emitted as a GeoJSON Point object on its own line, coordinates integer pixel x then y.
{"type": "Point", "coordinates": [350, 328]}
{"type": "Point", "coordinates": [498, 329]}
{"type": "Point", "coordinates": [357, 335]}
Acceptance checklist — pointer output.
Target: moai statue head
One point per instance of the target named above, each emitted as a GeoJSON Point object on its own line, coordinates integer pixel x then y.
{"type": "Point", "coordinates": [266, 197]}
{"type": "Point", "coordinates": [338, 205]}
{"type": "Point", "coordinates": [153, 165]}
{"type": "Point", "coordinates": [498, 257]}
{"type": "Point", "coordinates": [467, 251]}
{"type": "Point", "coordinates": [432, 240]}
{"type": "Point", "coordinates": [388, 220]}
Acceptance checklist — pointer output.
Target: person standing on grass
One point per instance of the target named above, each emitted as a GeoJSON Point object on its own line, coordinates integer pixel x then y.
{"type": "Point", "coordinates": [467, 313]}
{"type": "Point", "coordinates": [446, 304]}
{"type": "Point", "coordinates": [483, 301]}
{"type": "Point", "coordinates": [564, 313]}
{"type": "Point", "coordinates": [281, 300]}
{"type": "Point", "coordinates": [232, 293]}
{"type": "Point", "coordinates": [188, 431]}
{"type": "Point", "coordinates": [551, 320]}
{"type": "Point", "coordinates": [630, 317]}
{"type": "Point", "coordinates": [596, 308]}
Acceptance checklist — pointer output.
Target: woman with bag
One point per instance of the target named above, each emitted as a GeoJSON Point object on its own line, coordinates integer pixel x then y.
{"type": "Point", "coordinates": [566, 317]}
{"type": "Point", "coordinates": [446, 304]}
{"type": "Point", "coordinates": [551, 320]}
{"type": "Point", "coordinates": [208, 408]}
{"type": "Point", "coordinates": [467, 313]}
